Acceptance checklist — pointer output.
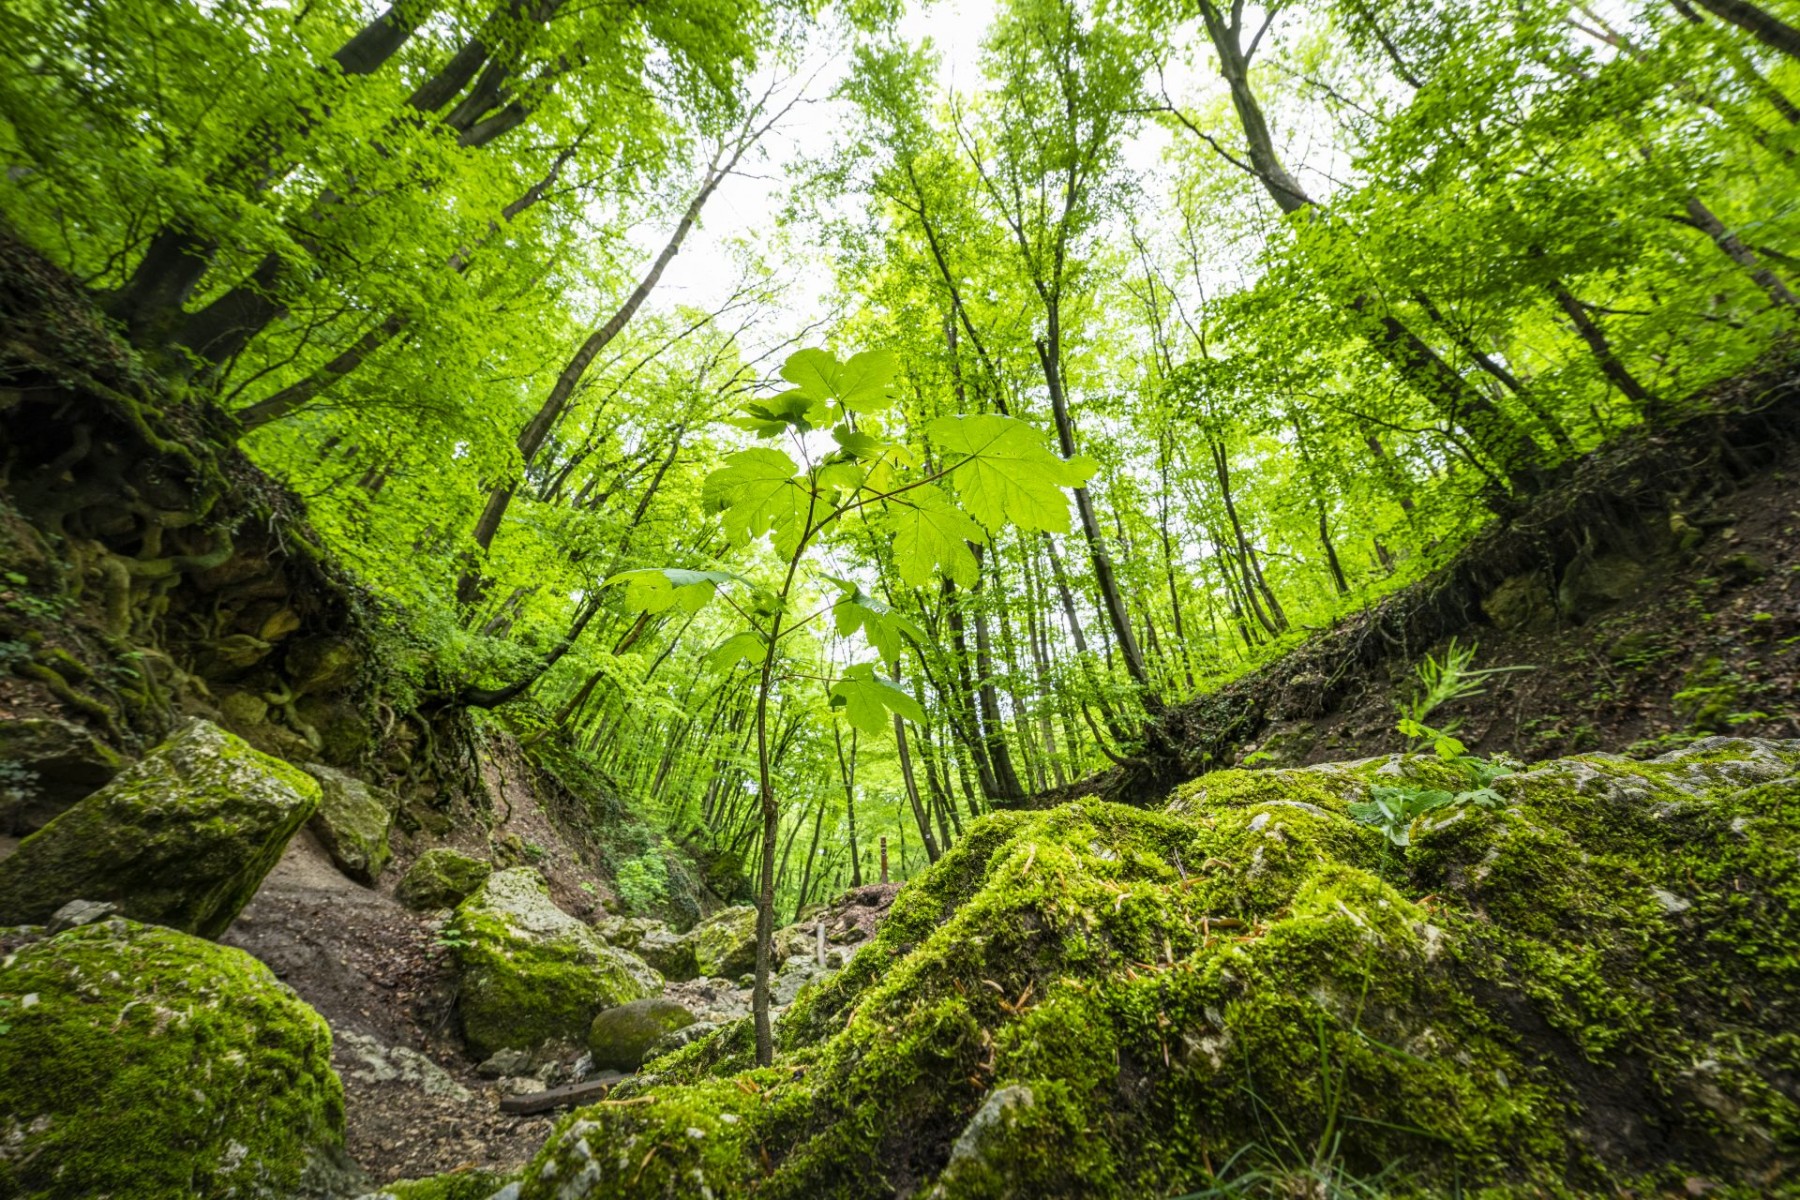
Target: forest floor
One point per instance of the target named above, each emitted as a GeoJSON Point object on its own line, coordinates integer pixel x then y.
{"type": "Point", "coordinates": [373, 970]}
{"type": "Point", "coordinates": [1702, 642]}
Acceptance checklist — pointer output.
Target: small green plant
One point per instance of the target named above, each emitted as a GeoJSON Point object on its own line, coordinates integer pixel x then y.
{"type": "Point", "coordinates": [451, 937]}
{"type": "Point", "coordinates": [643, 882]}
{"type": "Point", "coordinates": [1392, 808]}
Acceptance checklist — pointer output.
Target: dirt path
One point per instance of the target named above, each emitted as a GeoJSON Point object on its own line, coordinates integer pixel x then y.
{"type": "Point", "coordinates": [371, 968]}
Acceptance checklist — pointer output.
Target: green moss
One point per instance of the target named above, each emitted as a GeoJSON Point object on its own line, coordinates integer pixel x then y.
{"type": "Point", "coordinates": [1592, 989]}
{"type": "Point", "coordinates": [456, 1185]}
{"type": "Point", "coordinates": [724, 945]}
{"type": "Point", "coordinates": [529, 972]}
{"type": "Point", "coordinates": [441, 878]}
{"type": "Point", "coordinates": [138, 1061]}
{"type": "Point", "coordinates": [182, 838]}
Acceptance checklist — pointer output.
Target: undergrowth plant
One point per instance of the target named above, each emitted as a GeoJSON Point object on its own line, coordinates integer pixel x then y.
{"type": "Point", "coordinates": [1393, 808]}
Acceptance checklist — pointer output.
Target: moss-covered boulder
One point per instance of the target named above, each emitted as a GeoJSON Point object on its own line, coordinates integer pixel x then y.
{"type": "Point", "coordinates": [352, 823]}
{"type": "Point", "coordinates": [441, 878]}
{"type": "Point", "coordinates": [182, 838]}
{"type": "Point", "coordinates": [724, 945]}
{"type": "Point", "coordinates": [530, 972]}
{"type": "Point", "coordinates": [1589, 989]}
{"type": "Point", "coordinates": [138, 1061]}
{"type": "Point", "coordinates": [620, 1037]}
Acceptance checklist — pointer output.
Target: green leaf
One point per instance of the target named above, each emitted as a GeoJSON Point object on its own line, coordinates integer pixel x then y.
{"type": "Point", "coordinates": [658, 589]}
{"type": "Point", "coordinates": [866, 699]}
{"type": "Point", "coordinates": [932, 533]}
{"type": "Point", "coordinates": [862, 385]}
{"type": "Point", "coordinates": [881, 625]}
{"type": "Point", "coordinates": [1004, 472]}
{"type": "Point", "coordinates": [736, 649]}
{"type": "Point", "coordinates": [758, 493]}
{"type": "Point", "coordinates": [793, 409]}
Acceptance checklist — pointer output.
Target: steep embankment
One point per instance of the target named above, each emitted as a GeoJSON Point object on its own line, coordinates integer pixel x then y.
{"type": "Point", "coordinates": [1654, 590]}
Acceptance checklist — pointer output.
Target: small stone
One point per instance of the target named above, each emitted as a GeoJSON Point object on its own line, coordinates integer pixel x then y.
{"type": "Point", "coordinates": [77, 913]}
{"type": "Point", "coordinates": [1671, 903]}
{"type": "Point", "coordinates": [621, 1037]}
{"type": "Point", "coordinates": [508, 1061]}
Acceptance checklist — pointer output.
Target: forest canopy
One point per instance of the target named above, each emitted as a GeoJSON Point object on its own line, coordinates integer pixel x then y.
{"type": "Point", "coordinates": [1023, 379]}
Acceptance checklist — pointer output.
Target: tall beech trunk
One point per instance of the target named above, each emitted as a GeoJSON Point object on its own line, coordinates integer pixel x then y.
{"type": "Point", "coordinates": [993, 726]}
{"type": "Point", "coordinates": [178, 256]}
{"type": "Point", "coordinates": [1111, 600]}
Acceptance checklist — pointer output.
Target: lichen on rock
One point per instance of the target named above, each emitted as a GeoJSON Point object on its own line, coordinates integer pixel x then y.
{"type": "Point", "coordinates": [182, 838]}
{"type": "Point", "coordinates": [138, 1061]}
{"type": "Point", "coordinates": [529, 972]}
{"type": "Point", "coordinates": [724, 945]}
{"type": "Point", "coordinates": [1589, 990]}
{"type": "Point", "coordinates": [352, 823]}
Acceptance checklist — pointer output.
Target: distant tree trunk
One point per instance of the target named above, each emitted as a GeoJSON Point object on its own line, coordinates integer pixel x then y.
{"type": "Point", "coordinates": [1050, 357]}
{"type": "Point", "coordinates": [847, 773]}
{"type": "Point", "coordinates": [811, 855]}
{"type": "Point", "coordinates": [1610, 364]}
{"type": "Point", "coordinates": [1006, 777]}
{"type": "Point", "coordinates": [912, 790]}
{"type": "Point", "coordinates": [1759, 23]}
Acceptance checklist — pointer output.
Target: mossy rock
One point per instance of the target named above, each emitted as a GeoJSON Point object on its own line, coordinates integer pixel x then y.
{"type": "Point", "coordinates": [1590, 990]}
{"type": "Point", "coordinates": [724, 945]}
{"type": "Point", "coordinates": [352, 823]}
{"type": "Point", "coordinates": [138, 1061]}
{"type": "Point", "coordinates": [620, 1037]}
{"type": "Point", "coordinates": [182, 838]}
{"type": "Point", "coordinates": [441, 878]}
{"type": "Point", "coordinates": [530, 972]}
{"type": "Point", "coordinates": [671, 954]}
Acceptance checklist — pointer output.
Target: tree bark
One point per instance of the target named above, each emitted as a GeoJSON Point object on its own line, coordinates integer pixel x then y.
{"type": "Point", "coordinates": [1759, 23]}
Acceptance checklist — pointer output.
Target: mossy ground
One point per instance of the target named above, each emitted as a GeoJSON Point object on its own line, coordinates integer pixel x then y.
{"type": "Point", "coordinates": [138, 1061]}
{"type": "Point", "coordinates": [1590, 990]}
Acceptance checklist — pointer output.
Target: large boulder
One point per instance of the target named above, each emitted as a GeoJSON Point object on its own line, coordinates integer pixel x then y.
{"type": "Point", "coordinates": [621, 1036]}
{"type": "Point", "coordinates": [1583, 983]}
{"type": "Point", "coordinates": [529, 971]}
{"type": "Point", "coordinates": [138, 1061]}
{"type": "Point", "coordinates": [441, 878]}
{"type": "Point", "coordinates": [182, 838]}
{"type": "Point", "coordinates": [725, 943]}
{"type": "Point", "coordinates": [45, 766]}
{"type": "Point", "coordinates": [352, 823]}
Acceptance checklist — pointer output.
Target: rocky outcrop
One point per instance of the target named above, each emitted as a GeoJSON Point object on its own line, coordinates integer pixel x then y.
{"type": "Point", "coordinates": [182, 838]}
{"type": "Point", "coordinates": [352, 823]}
{"type": "Point", "coordinates": [441, 878]}
{"type": "Point", "coordinates": [1581, 984]}
{"type": "Point", "coordinates": [529, 972]}
{"type": "Point", "coordinates": [724, 945]}
{"type": "Point", "coordinates": [138, 1061]}
{"type": "Point", "coordinates": [47, 765]}
{"type": "Point", "coordinates": [620, 1037]}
